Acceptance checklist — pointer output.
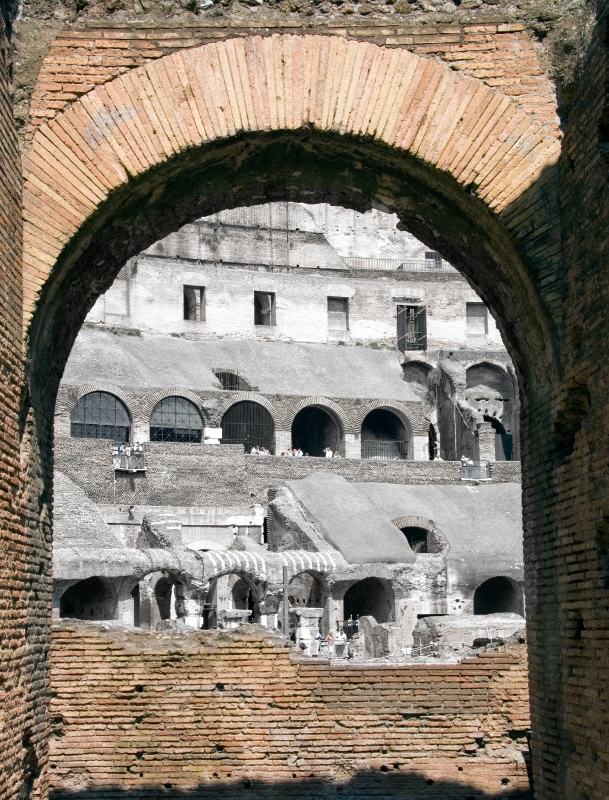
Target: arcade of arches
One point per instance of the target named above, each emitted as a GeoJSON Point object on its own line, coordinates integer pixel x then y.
{"type": "Point", "coordinates": [479, 168]}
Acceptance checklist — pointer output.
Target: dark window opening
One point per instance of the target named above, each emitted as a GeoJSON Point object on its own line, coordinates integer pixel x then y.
{"type": "Point", "coordinates": [88, 599]}
{"type": "Point", "coordinates": [243, 598]}
{"type": "Point", "coordinates": [232, 381]}
{"type": "Point", "coordinates": [194, 303]}
{"type": "Point", "coordinates": [368, 598]}
{"type": "Point", "coordinates": [175, 419]}
{"type": "Point", "coordinates": [433, 443]}
{"type": "Point", "coordinates": [163, 592]}
{"type": "Point", "coordinates": [338, 314]}
{"type": "Point", "coordinates": [417, 539]}
{"type": "Point", "coordinates": [476, 319]}
{"type": "Point", "coordinates": [249, 424]}
{"type": "Point", "coordinates": [135, 594]}
{"type": "Point", "coordinates": [412, 328]}
{"type": "Point", "coordinates": [100, 415]}
{"type": "Point", "coordinates": [264, 308]}
{"type": "Point", "coordinates": [498, 596]}
{"type": "Point", "coordinates": [314, 430]}
{"type": "Point", "coordinates": [384, 436]}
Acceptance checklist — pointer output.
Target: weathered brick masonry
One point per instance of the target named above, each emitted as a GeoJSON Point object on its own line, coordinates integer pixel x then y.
{"type": "Point", "coordinates": [223, 714]}
{"type": "Point", "coordinates": [221, 475]}
{"type": "Point", "coordinates": [129, 161]}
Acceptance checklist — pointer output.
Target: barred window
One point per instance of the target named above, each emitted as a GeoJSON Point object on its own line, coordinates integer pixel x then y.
{"type": "Point", "coordinates": [175, 419]}
{"type": "Point", "coordinates": [100, 415]}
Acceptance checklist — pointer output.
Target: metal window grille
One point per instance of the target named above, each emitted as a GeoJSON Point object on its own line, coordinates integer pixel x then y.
{"type": "Point", "coordinates": [175, 419]}
{"type": "Point", "coordinates": [100, 415]}
{"type": "Point", "coordinates": [412, 328]}
{"type": "Point", "coordinates": [384, 450]}
{"type": "Point", "coordinates": [338, 314]}
{"type": "Point", "coordinates": [232, 381]}
{"type": "Point", "coordinates": [264, 308]}
{"type": "Point", "coordinates": [477, 471]}
{"type": "Point", "coordinates": [194, 303]}
{"type": "Point", "coordinates": [249, 424]}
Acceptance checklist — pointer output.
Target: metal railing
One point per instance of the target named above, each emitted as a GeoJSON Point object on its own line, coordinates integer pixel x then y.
{"type": "Point", "coordinates": [384, 450]}
{"type": "Point", "coordinates": [408, 265]}
{"type": "Point", "coordinates": [476, 471]}
{"type": "Point", "coordinates": [126, 459]}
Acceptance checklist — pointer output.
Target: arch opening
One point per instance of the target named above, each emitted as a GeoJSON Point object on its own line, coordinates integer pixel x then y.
{"type": "Point", "coordinates": [176, 419]}
{"type": "Point", "coordinates": [249, 424]}
{"type": "Point", "coordinates": [305, 590]}
{"type": "Point", "coordinates": [498, 595]}
{"type": "Point", "coordinates": [384, 436]}
{"type": "Point", "coordinates": [314, 431]}
{"type": "Point", "coordinates": [90, 599]}
{"type": "Point", "coordinates": [369, 597]}
{"type": "Point", "coordinates": [100, 415]}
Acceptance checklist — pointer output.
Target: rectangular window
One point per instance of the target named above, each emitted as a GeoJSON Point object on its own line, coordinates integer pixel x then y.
{"type": "Point", "coordinates": [264, 308]}
{"type": "Point", "coordinates": [338, 314]}
{"type": "Point", "coordinates": [412, 328]}
{"type": "Point", "coordinates": [476, 319]}
{"type": "Point", "coordinates": [432, 259]}
{"type": "Point", "coordinates": [194, 303]}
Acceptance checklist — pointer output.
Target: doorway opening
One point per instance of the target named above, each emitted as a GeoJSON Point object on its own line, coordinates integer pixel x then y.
{"type": "Point", "coordinates": [314, 430]}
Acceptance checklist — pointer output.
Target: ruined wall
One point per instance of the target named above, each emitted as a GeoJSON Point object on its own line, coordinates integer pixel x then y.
{"type": "Point", "coordinates": [221, 475]}
{"type": "Point", "coordinates": [154, 302]}
{"type": "Point", "coordinates": [23, 570]}
{"type": "Point", "coordinates": [218, 713]}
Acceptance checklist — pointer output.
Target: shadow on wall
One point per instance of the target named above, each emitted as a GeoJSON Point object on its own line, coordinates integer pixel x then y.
{"type": "Point", "coordinates": [387, 782]}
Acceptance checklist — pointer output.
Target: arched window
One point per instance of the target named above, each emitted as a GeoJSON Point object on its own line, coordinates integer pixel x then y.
{"type": "Point", "coordinates": [100, 415]}
{"type": "Point", "coordinates": [313, 430]}
{"type": "Point", "coordinates": [368, 598]}
{"type": "Point", "coordinates": [384, 436]}
{"type": "Point", "coordinates": [248, 424]}
{"type": "Point", "coordinates": [175, 419]}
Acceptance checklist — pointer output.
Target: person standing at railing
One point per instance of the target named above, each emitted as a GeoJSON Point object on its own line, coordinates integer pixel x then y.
{"type": "Point", "coordinates": [328, 452]}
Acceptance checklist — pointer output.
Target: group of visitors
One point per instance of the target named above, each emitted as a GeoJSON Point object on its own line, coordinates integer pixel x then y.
{"type": "Point", "coordinates": [335, 643]}
{"type": "Point", "coordinates": [329, 453]}
{"type": "Point", "coordinates": [294, 452]}
{"type": "Point", "coordinates": [128, 449]}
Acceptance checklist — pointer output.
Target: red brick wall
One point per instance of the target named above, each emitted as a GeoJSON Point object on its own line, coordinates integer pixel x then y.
{"type": "Point", "coordinates": [216, 711]}
{"type": "Point", "coordinates": [499, 54]}
{"type": "Point", "coordinates": [22, 603]}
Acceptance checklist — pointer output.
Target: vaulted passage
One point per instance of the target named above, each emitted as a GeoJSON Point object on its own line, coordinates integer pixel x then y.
{"type": "Point", "coordinates": [384, 436]}
{"type": "Point", "coordinates": [368, 598]}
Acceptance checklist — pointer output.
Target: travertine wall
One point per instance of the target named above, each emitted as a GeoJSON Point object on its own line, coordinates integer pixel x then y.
{"type": "Point", "coordinates": [154, 302]}
{"type": "Point", "coordinates": [223, 714]}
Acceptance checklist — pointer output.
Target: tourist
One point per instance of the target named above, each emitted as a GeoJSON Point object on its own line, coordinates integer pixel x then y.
{"type": "Point", "coordinates": [336, 454]}
{"type": "Point", "coordinates": [340, 643]}
{"type": "Point", "coordinates": [328, 452]}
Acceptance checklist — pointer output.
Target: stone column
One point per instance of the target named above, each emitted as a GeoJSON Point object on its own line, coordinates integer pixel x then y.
{"type": "Point", "coordinates": [212, 435]}
{"type": "Point", "coordinates": [486, 441]}
{"type": "Point", "coordinates": [283, 441]}
{"type": "Point", "coordinates": [353, 445]}
{"type": "Point", "coordinates": [420, 448]}
{"type": "Point", "coordinates": [306, 622]}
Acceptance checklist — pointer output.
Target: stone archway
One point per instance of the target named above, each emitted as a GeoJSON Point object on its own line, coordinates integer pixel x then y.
{"type": "Point", "coordinates": [304, 117]}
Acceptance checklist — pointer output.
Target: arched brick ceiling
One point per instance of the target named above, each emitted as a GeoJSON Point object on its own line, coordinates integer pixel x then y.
{"type": "Point", "coordinates": [150, 114]}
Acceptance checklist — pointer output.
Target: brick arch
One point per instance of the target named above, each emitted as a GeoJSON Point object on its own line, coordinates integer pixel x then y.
{"type": "Point", "coordinates": [150, 402]}
{"type": "Point", "coordinates": [116, 135]}
{"type": "Point", "coordinates": [336, 412]}
{"type": "Point", "coordinates": [128, 401]}
{"type": "Point", "coordinates": [412, 420]}
{"type": "Point", "coordinates": [239, 397]}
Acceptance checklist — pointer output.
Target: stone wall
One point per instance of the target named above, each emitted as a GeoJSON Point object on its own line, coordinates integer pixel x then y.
{"type": "Point", "coordinates": [221, 475]}
{"type": "Point", "coordinates": [211, 714]}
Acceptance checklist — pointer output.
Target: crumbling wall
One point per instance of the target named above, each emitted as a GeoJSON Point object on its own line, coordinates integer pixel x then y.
{"type": "Point", "coordinates": [221, 713]}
